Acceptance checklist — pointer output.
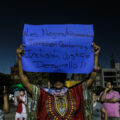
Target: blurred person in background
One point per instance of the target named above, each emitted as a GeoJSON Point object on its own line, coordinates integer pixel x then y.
{"type": "Point", "coordinates": [4, 105]}
{"type": "Point", "coordinates": [110, 99]}
{"type": "Point", "coordinates": [98, 109]}
{"type": "Point", "coordinates": [20, 101]}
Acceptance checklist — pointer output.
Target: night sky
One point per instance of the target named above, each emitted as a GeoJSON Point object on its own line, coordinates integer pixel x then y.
{"type": "Point", "coordinates": [104, 16]}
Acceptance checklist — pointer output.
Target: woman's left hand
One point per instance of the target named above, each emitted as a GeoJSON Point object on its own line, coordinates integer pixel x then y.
{"type": "Point", "coordinates": [96, 48]}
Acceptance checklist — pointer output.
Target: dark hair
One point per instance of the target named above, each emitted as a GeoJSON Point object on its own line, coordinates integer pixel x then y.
{"type": "Point", "coordinates": [22, 90]}
{"type": "Point", "coordinates": [57, 77]}
{"type": "Point", "coordinates": [95, 92]}
{"type": "Point", "coordinates": [109, 82]}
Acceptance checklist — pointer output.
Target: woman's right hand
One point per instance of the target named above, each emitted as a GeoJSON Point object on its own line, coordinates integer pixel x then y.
{"type": "Point", "coordinates": [107, 89]}
{"type": "Point", "coordinates": [20, 51]}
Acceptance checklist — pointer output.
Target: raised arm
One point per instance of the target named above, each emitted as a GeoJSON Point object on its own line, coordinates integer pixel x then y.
{"type": "Point", "coordinates": [92, 77]}
{"type": "Point", "coordinates": [23, 77]}
{"type": "Point", "coordinates": [5, 99]}
{"type": "Point", "coordinates": [103, 95]}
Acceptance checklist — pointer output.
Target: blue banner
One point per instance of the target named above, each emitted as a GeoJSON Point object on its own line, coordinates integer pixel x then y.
{"type": "Point", "coordinates": [58, 48]}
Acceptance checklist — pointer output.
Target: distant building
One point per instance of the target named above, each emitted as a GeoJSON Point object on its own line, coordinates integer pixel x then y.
{"type": "Point", "coordinates": [112, 73]}
{"type": "Point", "coordinates": [14, 73]}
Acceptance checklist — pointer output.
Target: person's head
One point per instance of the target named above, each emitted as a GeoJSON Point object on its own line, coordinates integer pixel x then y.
{"type": "Point", "coordinates": [58, 80]}
{"type": "Point", "coordinates": [95, 97]}
{"type": "Point", "coordinates": [109, 84]}
{"type": "Point", "coordinates": [22, 92]}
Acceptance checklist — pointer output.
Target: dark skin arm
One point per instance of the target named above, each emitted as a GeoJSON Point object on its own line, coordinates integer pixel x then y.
{"type": "Point", "coordinates": [23, 77]}
{"type": "Point", "coordinates": [96, 50]}
{"type": "Point", "coordinates": [103, 97]}
{"type": "Point", "coordinates": [5, 99]}
{"type": "Point", "coordinates": [28, 85]}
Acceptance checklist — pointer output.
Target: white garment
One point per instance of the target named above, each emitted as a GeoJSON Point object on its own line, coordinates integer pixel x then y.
{"type": "Point", "coordinates": [23, 105]}
{"type": "Point", "coordinates": [22, 116]}
{"type": "Point", "coordinates": [94, 104]}
{"type": "Point", "coordinates": [22, 98]}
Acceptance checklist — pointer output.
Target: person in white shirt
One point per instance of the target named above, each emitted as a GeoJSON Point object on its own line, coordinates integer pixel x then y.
{"type": "Point", "coordinates": [98, 109]}
{"type": "Point", "coordinates": [21, 113]}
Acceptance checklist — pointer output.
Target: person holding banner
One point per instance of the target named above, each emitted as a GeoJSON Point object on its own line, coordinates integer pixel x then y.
{"type": "Point", "coordinates": [59, 103]}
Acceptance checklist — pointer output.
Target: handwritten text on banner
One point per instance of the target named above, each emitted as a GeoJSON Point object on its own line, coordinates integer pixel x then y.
{"type": "Point", "coordinates": [58, 48]}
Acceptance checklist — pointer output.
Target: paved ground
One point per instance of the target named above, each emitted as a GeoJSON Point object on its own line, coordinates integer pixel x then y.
{"type": "Point", "coordinates": [11, 114]}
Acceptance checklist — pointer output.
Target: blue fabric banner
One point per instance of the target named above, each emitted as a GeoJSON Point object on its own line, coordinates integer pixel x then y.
{"type": "Point", "coordinates": [58, 48]}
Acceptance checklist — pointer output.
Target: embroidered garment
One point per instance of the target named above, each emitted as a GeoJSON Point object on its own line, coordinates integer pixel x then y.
{"type": "Point", "coordinates": [87, 104]}
{"type": "Point", "coordinates": [66, 107]}
{"type": "Point", "coordinates": [44, 104]}
{"type": "Point", "coordinates": [55, 92]}
{"type": "Point", "coordinates": [32, 103]}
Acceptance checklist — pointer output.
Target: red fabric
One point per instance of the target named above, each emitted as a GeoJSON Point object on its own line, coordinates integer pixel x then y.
{"type": "Point", "coordinates": [77, 94]}
{"type": "Point", "coordinates": [19, 108]}
{"type": "Point", "coordinates": [41, 111]}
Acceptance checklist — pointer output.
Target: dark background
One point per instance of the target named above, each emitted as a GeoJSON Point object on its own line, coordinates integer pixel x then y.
{"type": "Point", "coordinates": [105, 17]}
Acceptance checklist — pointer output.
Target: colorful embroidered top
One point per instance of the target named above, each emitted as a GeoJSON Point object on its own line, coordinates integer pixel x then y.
{"type": "Point", "coordinates": [55, 92]}
{"type": "Point", "coordinates": [68, 106]}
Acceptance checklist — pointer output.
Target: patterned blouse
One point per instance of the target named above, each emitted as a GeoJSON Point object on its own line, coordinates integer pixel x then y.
{"type": "Point", "coordinates": [74, 104]}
